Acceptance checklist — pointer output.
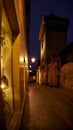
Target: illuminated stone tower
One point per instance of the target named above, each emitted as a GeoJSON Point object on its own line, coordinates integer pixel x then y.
{"type": "Point", "coordinates": [52, 36]}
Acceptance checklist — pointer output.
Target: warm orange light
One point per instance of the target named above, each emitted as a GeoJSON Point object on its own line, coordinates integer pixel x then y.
{"type": "Point", "coordinates": [21, 59]}
{"type": "Point", "coordinates": [3, 86]}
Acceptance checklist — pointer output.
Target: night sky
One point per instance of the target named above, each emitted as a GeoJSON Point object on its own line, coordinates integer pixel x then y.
{"type": "Point", "coordinates": [38, 8]}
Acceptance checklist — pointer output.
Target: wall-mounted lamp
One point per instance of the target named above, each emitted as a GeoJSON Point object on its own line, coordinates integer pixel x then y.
{"type": "Point", "coordinates": [21, 59]}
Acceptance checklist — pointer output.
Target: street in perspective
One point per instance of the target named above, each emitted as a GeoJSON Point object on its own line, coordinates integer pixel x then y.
{"type": "Point", "coordinates": [48, 108]}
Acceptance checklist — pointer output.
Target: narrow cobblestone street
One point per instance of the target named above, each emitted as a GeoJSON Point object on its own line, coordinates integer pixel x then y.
{"type": "Point", "coordinates": [48, 109]}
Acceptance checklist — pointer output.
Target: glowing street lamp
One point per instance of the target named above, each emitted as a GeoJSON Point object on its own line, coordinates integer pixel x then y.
{"type": "Point", "coordinates": [33, 60]}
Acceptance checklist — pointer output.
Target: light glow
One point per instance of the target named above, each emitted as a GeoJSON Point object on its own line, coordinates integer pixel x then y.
{"type": "Point", "coordinates": [3, 86]}
{"type": "Point", "coordinates": [21, 59]}
{"type": "Point", "coordinates": [33, 60]}
{"type": "Point", "coordinates": [29, 66]}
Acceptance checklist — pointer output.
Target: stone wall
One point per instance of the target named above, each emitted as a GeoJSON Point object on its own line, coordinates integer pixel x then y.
{"type": "Point", "coordinates": [67, 75]}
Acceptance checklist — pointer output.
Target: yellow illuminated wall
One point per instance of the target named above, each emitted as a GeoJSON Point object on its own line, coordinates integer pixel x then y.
{"type": "Point", "coordinates": [16, 71]}
{"type": "Point", "coordinates": [20, 74]}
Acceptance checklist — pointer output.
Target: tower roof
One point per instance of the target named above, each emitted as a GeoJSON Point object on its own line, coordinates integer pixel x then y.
{"type": "Point", "coordinates": [52, 22]}
{"type": "Point", "coordinates": [55, 23]}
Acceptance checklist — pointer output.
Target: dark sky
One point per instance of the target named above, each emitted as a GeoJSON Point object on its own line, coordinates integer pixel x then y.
{"type": "Point", "coordinates": [38, 8]}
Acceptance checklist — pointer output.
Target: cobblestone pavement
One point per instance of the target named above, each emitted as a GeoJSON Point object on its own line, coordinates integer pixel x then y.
{"type": "Point", "coordinates": [48, 109]}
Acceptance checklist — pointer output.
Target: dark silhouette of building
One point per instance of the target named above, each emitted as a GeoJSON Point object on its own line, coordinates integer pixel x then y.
{"type": "Point", "coordinates": [53, 38]}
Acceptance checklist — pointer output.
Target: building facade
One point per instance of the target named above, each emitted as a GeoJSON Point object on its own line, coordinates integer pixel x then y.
{"type": "Point", "coordinates": [14, 43]}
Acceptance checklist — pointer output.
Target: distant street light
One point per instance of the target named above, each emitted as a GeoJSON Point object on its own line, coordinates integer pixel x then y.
{"type": "Point", "coordinates": [33, 60]}
{"type": "Point", "coordinates": [29, 66]}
